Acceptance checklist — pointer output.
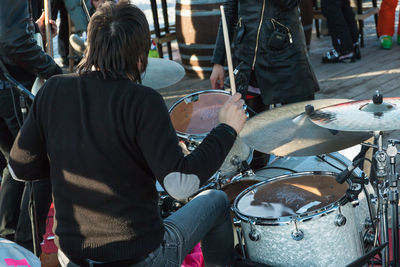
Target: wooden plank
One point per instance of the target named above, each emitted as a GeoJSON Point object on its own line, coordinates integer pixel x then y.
{"type": "Point", "coordinates": [370, 54]}
{"type": "Point", "coordinates": [169, 37]}
{"type": "Point", "coordinates": [359, 74]}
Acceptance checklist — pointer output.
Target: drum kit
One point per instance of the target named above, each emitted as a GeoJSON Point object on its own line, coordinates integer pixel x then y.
{"type": "Point", "coordinates": [296, 211]}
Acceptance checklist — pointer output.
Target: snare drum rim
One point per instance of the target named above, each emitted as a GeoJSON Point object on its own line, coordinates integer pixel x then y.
{"type": "Point", "coordinates": [196, 137]}
{"type": "Point", "coordinates": [285, 220]}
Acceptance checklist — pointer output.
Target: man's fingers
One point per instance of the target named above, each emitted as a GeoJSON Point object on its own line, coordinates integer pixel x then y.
{"type": "Point", "coordinates": [213, 83]}
{"type": "Point", "coordinates": [236, 97]}
{"type": "Point", "coordinates": [221, 83]}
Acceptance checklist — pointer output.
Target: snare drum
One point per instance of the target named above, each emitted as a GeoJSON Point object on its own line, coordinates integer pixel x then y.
{"type": "Point", "coordinates": [195, 115]}
{"type": "Point", "coordinates": [297, 220]}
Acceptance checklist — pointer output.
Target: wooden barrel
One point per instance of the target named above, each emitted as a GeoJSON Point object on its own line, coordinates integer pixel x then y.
{"type": "Point", "coordinates": [197, 24]}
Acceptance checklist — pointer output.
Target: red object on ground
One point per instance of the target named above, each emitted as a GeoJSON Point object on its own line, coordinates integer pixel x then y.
{"type": "Point", "coordinates": [194, 259]}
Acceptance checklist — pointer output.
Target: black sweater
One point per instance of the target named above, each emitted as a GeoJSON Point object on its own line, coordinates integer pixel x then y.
{"type": "Point", "coordinates": [103, 143]}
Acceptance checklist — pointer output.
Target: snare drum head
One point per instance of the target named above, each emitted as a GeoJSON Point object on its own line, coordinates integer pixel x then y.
{"type": "Point", "coordinates": [290, 196]}
{"type": "Point", "coordinates": [198, 113]}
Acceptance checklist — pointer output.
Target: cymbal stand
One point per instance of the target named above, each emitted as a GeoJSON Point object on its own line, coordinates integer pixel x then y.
{"type": "Point", "coordinates": [381, 173]}
{"type": "Point", "coordinates": [388, 194]}
{"type": "Point", "coordinates": [394, 198]}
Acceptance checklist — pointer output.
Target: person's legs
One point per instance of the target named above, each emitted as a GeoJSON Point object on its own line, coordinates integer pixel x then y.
{"type": "Point", "coordinates": [42, 202]}
{"type": "Point", "coordinates": [387, 14]}
{"type": "Point", "coordinates": [337, 24]}
{"type": "Point", "coordinates": [11, 190]}
{"type": "Point", "coordinates": [63, 35]}
{"type": "Point", "coordinates": [206, 218]}
{"type": "Point", "coordinates": [349, 16]}
{"type": "Point", "coordinates": [306, 11]}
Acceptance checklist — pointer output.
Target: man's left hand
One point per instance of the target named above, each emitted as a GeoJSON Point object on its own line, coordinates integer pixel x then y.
{"type": "Point", "coordinates": [41, 24]}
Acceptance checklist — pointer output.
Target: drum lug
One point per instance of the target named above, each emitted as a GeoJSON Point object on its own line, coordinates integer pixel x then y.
{"type": "Point", "coordinates": [368, 223]}
{"type": "Point", "coordinates": [253, 235]}
{"type": "Point", "coordinates": [297, 234]}
{"type": "Point", "coordinates": [355, 203]}
{"type": "Point", "coordinates": [340, 219]}
{"type": "Point", "coordinates": [373, 199]}
{"type": "Point", "coordinates": [235, 160]}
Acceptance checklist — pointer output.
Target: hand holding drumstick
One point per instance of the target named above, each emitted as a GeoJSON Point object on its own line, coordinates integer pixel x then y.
{"type": "Point", "coordinates": [233, 113]}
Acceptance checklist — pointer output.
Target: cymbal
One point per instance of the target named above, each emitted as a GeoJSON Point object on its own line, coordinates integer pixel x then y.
{"type": "Point", "coordinates": [288, 131]}
{"type": "Point", "coordinates": [162, 73]}
{"type": "Point", "coordinates": [362, 115]}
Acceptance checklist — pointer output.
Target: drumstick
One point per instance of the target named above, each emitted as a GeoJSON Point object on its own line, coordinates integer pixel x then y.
{"type": "Point", "coordinates": [47, 17]}
{"type": "Point", "coordinates": [228, 50]}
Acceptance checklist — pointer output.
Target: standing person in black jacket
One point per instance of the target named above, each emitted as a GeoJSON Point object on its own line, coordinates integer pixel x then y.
{"type": "Point", "coordinates": [24, 59]}
{"type": "Point", "coordinates": [104, 139]}
{"type": "Point", "coordinates": [270, 56]}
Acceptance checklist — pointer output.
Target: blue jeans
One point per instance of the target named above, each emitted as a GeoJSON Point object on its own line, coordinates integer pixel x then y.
{"type": "Point", "coordinates": [206, 218]}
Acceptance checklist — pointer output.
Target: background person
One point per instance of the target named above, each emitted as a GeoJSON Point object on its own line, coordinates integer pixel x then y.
{"type": "Point", "coordinates": [387, 15]}
{"type": "Point", "coordinates": [270, 56]}
{"type": "Point", "coordinates": [24, 59]}
{"type": "Point", "coordinates": [343, 29]}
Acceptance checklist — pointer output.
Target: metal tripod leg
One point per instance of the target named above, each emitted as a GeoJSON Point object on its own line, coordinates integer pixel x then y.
{"type": "Point", "coordinates": [394, 201]}
{"type": "Point", "coordinates": [384, 231]}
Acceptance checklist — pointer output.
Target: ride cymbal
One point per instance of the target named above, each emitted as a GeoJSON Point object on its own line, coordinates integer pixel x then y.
{"type": "Point", "coordinates": [162, 73]}
{"type": "Point", "coordinates": [288, 131]}
{"type": "Point", "coordinates": [382, 114]}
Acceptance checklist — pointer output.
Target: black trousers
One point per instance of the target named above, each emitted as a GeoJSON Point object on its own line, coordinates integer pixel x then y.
{"type": "Point", "coordinates": [341, 24]}
{"type": "Point", "coordinates": [15, 222]}
{"type": "Point", "coordinates": [63, 34]}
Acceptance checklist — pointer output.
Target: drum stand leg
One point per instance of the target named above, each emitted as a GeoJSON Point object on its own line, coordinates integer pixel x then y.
{"type": "Point", "coordinates": [394, 199]}
{"type": "Point", "coordinates": [381, 174]}
{"type": "Point", "coordinates": [388, 195]}
{"type": "Point", "coordinates": [383, 217]}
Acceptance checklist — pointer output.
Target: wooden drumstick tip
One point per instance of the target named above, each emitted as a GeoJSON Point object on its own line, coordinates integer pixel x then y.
{"type": "Point", "coordinates": [228, 50]}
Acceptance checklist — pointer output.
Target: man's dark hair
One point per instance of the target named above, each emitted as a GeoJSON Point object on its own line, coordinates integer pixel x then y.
{"type": "Point", "coordinates": [118, 42]}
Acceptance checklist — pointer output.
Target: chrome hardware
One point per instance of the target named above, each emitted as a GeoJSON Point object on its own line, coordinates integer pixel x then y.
{"type": "Point", "coordinates": [235, 160]}
{"type": "Point", "coordinates": [236, 178]}
{"type": "Point", "coordinates": [373, 199]}
{"type": "Point", "coordinates": [340, 219]}
{"type": "Point", "coordinates": [355, 203]}
{"type": "Point", "coordinates": [368, 223]}
{"type": "Point", "coordinates": [369, 237]}
{"type": "Point", "coordinates": [391, 150]}
{"type": "Point", "coordinates": [297, 234]}
{"type": "Point", "coordinates": [253, 235]}
{"type": "Point", "coordinates": [236, 221]}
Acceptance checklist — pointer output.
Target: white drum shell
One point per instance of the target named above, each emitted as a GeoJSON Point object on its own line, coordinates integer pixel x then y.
{"type": "Point", "coordinates": [324, 243]}
{"type": "Point", "coordinates": [318, 163]}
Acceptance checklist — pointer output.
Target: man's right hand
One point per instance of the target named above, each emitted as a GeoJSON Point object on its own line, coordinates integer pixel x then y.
{"type": "Point", "coordinates": [217, 77]}
{"type": "Point", "coordinates": [232, 113]}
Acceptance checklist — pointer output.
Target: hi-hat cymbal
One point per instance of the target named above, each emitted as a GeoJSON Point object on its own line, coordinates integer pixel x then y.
{"type": "Point", "coordinates": [288, 131]}
{"type": "Point", "coordinates": [162, 73]}
{"type": "Point", "coordinates": [360, 116]}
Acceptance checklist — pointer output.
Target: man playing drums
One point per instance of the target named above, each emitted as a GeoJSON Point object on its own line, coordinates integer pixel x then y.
{"type": "Point", "coordinates": [104, 139]}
